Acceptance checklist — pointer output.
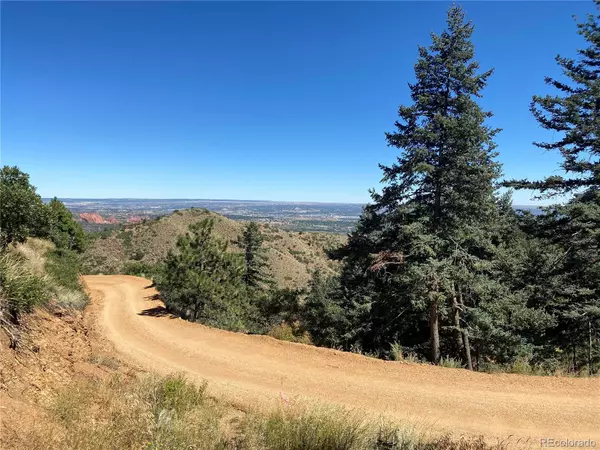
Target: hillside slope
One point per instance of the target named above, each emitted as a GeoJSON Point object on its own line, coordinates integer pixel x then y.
{"type": "Point", "coordinates": [292, 255]}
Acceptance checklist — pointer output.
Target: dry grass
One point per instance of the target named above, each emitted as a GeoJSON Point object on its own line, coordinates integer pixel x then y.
{"type": "Point", "coordinates": [70, 298]}
{"type": "Point", "coordinates": [121, 413]}
{"type": "Point", "coordinates": [292, 256]}
{"type": "Point", "coordinates": [34, 252]}
{"type": "Point", "coordinates": [105, 360]}
{"type": "Point", "coordinates": [171, 413]}
{"type": "Point", "coordinates": [451, 363]}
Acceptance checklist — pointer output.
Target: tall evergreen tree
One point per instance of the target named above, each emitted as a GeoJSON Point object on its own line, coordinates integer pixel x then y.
{"type": "Point", "coordinates": [322, 314]}
{"type": "Point", "coordinates": [574, 117]}
{"type": "Point", "coordinates": [426, 237]}
{"type": "Point", "coordinates": [574, 114]}
{"type": "Point", "coordinates": [256, 273]}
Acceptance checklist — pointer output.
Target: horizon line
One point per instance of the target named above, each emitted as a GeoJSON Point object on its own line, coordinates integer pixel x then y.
{"type": "Point", "coordinates": [208, 200]}
{"type": "Point", "coordinates": [237, 200]}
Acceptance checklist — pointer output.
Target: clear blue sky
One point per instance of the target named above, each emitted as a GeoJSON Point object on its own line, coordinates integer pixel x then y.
{"type": "Point", "coordinates": [277, 101]}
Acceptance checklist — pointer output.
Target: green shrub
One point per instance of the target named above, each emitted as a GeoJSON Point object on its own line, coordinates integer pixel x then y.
{"type": "Point", "coordinates": [64, 231]}
{"type": "Point", "coordinates": [140, 269]}
{"type": "Point", "coordinates": [64, 266]}
{"type": "Point", "coordinates": [126, 236]}
{"type": "Point", "coordinates": [289, 333]}
{"type": "Point", "coordinates": [174, 394]}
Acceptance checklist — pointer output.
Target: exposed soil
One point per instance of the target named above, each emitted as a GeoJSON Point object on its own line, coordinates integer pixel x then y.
{"type": "Point", "coordinates": [252, 369]}
{"type": "Point", "coordinates": [56, 347]}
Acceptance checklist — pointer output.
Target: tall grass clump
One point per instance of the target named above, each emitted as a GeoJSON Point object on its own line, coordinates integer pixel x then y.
{"type": "Point", "coordinates": [174, 395]}
{"type": "Point", "coordinates": [311, 429]}
{"type": "Point", "coordinates": [21, 289]}
{"type": "Point", "coordinates": [396, 352]}
{"type": "Point", "coordinates": [329, 428]}
{"type": "Point", "coordinates": [64, 268]}
{"type": "Point", "coordinates": [34, 251]}
{"type": "Point", "coordinates": [451, 363]}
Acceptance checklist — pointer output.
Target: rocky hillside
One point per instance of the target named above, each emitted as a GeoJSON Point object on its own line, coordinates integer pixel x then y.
{"type": "Point", "coordinates": [292, 255]}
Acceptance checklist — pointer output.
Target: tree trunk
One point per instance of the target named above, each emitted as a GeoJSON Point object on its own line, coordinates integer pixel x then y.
{"type": "Point", "coordinates": [590, 348]}
{"type": "Point", "coordinates": [435, 333]}
{"type": "Point", "coordinates": [574, 356]}
{"type": "Point", "coordinates": [465, 335]}
{"type": "Point", "coordinates": [196, 310]}
{"type": "Point", "coordinates": [469, 361]}
{"type": "Point", "coordinates": [456, 322]}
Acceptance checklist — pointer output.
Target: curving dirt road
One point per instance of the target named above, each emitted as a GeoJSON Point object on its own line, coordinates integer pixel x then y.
{"type": "Point", "coordinates": [258, 368]}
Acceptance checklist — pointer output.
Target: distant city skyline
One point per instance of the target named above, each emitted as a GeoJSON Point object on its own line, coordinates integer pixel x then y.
{"type": "Point", "coordinates": [274, 101]}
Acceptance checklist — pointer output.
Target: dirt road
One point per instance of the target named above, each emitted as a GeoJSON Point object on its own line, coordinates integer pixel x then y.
{"type": "Point", "coordinates": [259, 368]}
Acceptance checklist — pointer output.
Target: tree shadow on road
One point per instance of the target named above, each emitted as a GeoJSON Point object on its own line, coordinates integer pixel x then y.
{"type": "Point", "coordinates": [158, 311]}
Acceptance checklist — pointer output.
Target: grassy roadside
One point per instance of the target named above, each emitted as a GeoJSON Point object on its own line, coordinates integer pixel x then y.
{"type": "Point", "coordinates": [36, 273]}
{"type": "Point", "coordinates": [154, 413]}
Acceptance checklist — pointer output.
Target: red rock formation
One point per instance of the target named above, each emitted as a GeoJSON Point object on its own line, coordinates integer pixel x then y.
{"type": "Point", "coordinates": [112, 219]}
{"type": "Point", "coordinates": [91, 218]}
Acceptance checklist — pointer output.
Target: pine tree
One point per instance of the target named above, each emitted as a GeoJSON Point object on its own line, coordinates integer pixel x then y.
{"type": "Point", "coordinates": [510, 323]}
{"type": "Point", "coordinates": [574, 117]}
{"type": "Point", "coordinates": [322, 315]}
{"type": "Point", "coordinates": [203, 282]}
{"type": "Point", "coordinates": [256, 272]}
{"type": "Point", "coordinates": [425, 237]}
